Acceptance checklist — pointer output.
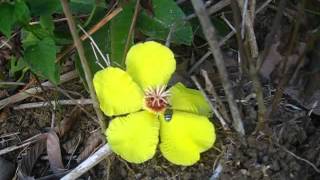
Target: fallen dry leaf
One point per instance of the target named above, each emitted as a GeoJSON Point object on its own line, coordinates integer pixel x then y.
{"type": "Point", "coordinates": [92, 143]}
{"type": "Point", "coordinates": [4, 114]}
{"type": "Point", "coordinates": [68, 122]}
{"type": "Point", "coordinates": [54, 152]}
{"type": "Point", "coordinates": [28, 160]}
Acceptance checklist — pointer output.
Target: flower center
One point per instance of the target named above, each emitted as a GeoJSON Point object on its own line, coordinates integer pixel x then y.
{"type": "Point", "coordinates": [156, 99]}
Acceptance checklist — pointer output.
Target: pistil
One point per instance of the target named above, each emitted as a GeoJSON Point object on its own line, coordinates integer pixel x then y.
{"type": "Point", "coordinates": [156, 99]}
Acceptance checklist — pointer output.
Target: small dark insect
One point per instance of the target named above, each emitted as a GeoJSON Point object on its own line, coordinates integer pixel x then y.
{"type": "Point", "coordinates": [168, 114]}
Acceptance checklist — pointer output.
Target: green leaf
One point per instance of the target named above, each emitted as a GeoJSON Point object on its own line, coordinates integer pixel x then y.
{"type": "Point", "coordinates": [12, 13]}
{"type": "Point", "coordinates": [167, 14]}
{"type": "Point", "coordinates": [219, 24]}
{"type": "Point", "coordinates": [29, 38]}
{"type": "Point", "coordinates": [119, 28]}
{"type": "Point", "coordinates": [41, 59]}
{"type": "Point", "coordinates": [16, 65]}
{"type": "Point", "coordinates": [43, 7]}
{"type": "Point", "coordinates": [6, 18]}
{"type": "Point", "coordinates": [38, 31]}
{"type": "Point", "coordinates": [85, 6]}
{"type": "Point", "coordinates": [21, 12]}
{"type": "Point", "coordinates": [46, 22]}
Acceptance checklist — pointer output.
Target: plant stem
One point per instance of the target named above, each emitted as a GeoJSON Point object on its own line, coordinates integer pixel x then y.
{"type": "Point", "coordinates": [84, 62]}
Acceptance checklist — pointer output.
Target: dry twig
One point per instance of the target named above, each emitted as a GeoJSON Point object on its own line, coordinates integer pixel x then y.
{"type": "Point", "coordinates": [211, 90]}
{"type": "Point", "coordinates": [54, 103]}
{"type": "Point", "coordinates": [223, 40]}
{"type": "Point", "coordinates": [25, 143]}
{"type": "Point", "coordinates": [89, 163]}
{"type": "Point", "coordinates": [214, 109]}
{"type": "Point", "coordinates": [29, 92]}
{"type": "Point", "coordinates": [248, 25]}
{"type": "Point", "coordinates": [210, 34]}
{"type": "Point", "coordinates": [246, 56]}
{"type": "Point", "coordinates": [299, 158]}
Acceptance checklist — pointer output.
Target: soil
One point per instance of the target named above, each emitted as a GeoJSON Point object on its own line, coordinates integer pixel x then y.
{"type": "Point", "coordinates": [261, 156]}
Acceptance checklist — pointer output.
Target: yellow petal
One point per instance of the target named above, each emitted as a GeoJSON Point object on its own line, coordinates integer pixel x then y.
{"type": "Point", "coordinates": [185, 136]}
{"type": "Point", "coordinates": [150, 64]}
{"type": "Point", "coordinates": [190, 100]}
{"type": "Point", "coordinates": [134, 137]}
{"type": "Point", "coordinates": [117, 92]}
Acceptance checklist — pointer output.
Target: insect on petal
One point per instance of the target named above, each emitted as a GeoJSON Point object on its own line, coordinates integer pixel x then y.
{"type": "Point", "coordinates": [185, 136]}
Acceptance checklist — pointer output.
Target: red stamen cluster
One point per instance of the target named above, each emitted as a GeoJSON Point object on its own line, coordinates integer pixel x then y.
{"type": "Point", "coordinates": [156, 98]}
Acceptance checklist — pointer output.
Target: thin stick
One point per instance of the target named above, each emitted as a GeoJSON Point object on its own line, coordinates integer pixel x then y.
{"type": "Point", "coordinates": [5, 43]}
{"type": "Point", "coordinates": [223, 40]}
{"type": "Point", "coordinates": [12, 84]}
{"type": "Point", "coordinates": [54, 103]}
{"type": "Point", "coordinates": [56, 20]}
{"type": "Point", "coordinates": [89, 163]}
{"type": "Point", "coordinates": [132, 25]}
{"type": "Point", "coordinates": [223, 17]}
{"type": "Point", "coordinates": [213, 9]}
{"type": "Point", "coordinates": [27, 142]}
{"type": "Point", "coordinates": [244, 7]}
{"type": "Point", "coordinates": [96, 56]}
{"type": "Point", "coordinates": [94, 44]}
{"type": "Point", "coordinates": [211, 90]}
{"type": "Point", "coordinates": [169, 37]}
{"type": "Point", "coordinates": [29, 92]}
{"type": "Point", "coordinates": [299, 158]}
{"type": "Point", "coordinates": [210, 34]}
{"type": "Point", "coordinates": [64, 92]}
{"type": "Point", "coordinates": [247, 24]}
{"type": "Point", "coordinates": [214, 109]}
{"type": "Point", "coordinates": [248, 58]}
{"type": "Point", "coordinates": [94, 29]}
{"type": "Point", "coordinates": [199, 62]}
{"type": "Point", "coordinates": [84, 62]}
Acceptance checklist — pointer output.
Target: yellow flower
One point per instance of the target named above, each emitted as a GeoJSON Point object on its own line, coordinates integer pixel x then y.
{"type": "Point", "coordinates": [138, 99]}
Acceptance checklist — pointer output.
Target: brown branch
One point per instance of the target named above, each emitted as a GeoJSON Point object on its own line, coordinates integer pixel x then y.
{"type": "Point", "coordinates": [248, 58]}
{"type": "Point", "coordinates": [248, 22]}
{"type": "Point", "coordinates": [210, 34]}
{"type": "Point", "coordinates": [84, 62]}
{"type": "Point", "coordinates": [32, 91]}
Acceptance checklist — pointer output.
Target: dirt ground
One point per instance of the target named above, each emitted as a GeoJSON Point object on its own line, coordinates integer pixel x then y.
{"type": "Point", "coordinates": [286, 151]}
